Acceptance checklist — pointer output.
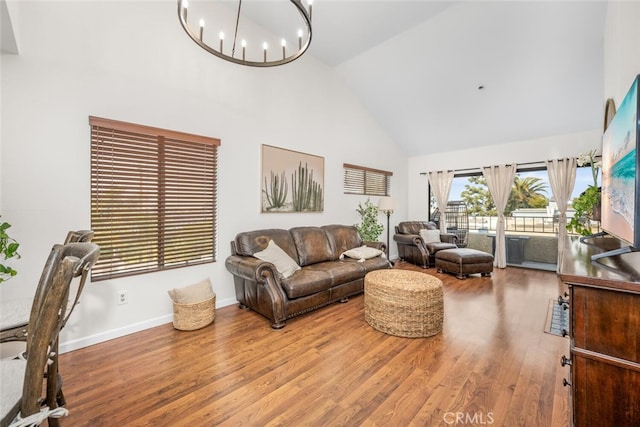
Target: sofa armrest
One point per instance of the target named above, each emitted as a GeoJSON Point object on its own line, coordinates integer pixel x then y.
{"type": "Point", "coordinates": [377, 245]}
{"type": "Point", "coordinates": [408, 239]}
{"type": "Point", "coordinates": [250, 268]}
{"type": "Point", "coordinates": [251, 273]}
{"type": "Point", "coordinates": [448, 238]}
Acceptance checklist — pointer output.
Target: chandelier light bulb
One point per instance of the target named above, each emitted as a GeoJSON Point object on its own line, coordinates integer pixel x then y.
{"type": "Point", "coordinates": [221, 35]}
{"type": "Point", "coordinates": [201, 22]}
{"type": "Point", "coordinates": [283, 42]}
{"type": "Point", "coordinates": [243, 43]}
{"type": "Point", "coordinates": [185, 5]}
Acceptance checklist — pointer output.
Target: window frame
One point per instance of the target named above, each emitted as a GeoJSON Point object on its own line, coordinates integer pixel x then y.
{"type": "Point", "coordinates": [153, 198]}
{"type": "Point", "coordinates": [466, 173]}
{"type": "Point", "coordinates": [361, 180]}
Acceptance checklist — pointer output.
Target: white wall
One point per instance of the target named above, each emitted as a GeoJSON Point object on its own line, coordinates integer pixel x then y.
{"type": "Point", "coordinates": [135, 63]}
{"type": "Point", "coordinates": [622, 48]}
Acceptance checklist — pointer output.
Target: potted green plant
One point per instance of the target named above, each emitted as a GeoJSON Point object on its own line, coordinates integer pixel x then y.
{"type": "Point", "coordinates": [369, 228]}
{"type": "Point", "coordinates": [8, 250]}
{"type": "Point", "coordinates": [587, 204]}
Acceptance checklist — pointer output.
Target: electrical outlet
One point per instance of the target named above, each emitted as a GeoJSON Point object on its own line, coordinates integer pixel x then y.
{"type": "Point", "coordinates": [123, 297]}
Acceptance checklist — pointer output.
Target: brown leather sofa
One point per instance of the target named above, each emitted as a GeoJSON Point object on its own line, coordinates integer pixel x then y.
{"type": "Point", "coordinates": [323, 278]}
{"type": "Point", "coordinates": [411, 247]}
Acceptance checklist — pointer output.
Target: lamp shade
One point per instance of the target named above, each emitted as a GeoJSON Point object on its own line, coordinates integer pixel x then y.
{"type": "Point", "coordinates": [386, 204]}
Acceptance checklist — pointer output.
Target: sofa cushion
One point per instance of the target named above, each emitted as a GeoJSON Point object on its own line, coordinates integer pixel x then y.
{"type": "Point", "coordinates": [311, 244]}
{"type": "Point", "coordinates": [362, 253]}
{"type": "Point", "coordinates": [197, 292]}
{"type": "Point", "coordinates": [250, 242]}
{"type": "Point", "coordinates": [275, 255]}
{"type": "Point", "coordinates": [376, 264]}
{"type": "Point", "coordinates": [430, 236]}
{"type": "Point", "coordinates": [342, 238]}
{"type": "Point", "coordinates": [439, 246]}
{"type": "Point", "coordinates": [346, 271]}
{"type": "Point", "coordinates": [324, 275]}
{"type": "Point", "coordinates": [309, 280]}
{"type": "Point", "coordinates": [370, 264]}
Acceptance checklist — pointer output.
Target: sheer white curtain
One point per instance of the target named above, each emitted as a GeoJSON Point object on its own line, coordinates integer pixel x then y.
{"type": "Point", "coordinates": [440, 183]}
{"type": "Point", "coordinates": [562, 178]}
{"type": "Point", "coordinates": [500, 180]}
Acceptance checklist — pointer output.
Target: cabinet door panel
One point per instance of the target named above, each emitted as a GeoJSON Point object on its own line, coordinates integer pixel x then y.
{"type": "Point", "coordinates": [608, 395]}
{"type": "Point", "coordinates": [606, 322]}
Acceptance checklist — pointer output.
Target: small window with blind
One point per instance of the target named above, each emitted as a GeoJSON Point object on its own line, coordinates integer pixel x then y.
{"type": "Point", "coordinates": [367, 181]}
{"type": "Point", "coordinates": [153, 198]}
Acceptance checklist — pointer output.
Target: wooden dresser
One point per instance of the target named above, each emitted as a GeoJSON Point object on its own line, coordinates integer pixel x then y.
{"type": "Point", "coordinates": [604, 362]}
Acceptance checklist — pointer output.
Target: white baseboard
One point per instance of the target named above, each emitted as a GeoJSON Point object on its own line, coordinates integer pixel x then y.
{"type": "Point", "coordinates": [125, 330]}
{"type": "Point", "coordinates": [114, 333]}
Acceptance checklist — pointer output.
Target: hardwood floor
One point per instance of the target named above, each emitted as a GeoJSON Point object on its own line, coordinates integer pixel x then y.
{"type": "Point", "coordinates": [491, 365]}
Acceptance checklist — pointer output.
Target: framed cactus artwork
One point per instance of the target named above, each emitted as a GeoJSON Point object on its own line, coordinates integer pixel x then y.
{"type": "Point", "coordinates": [291, 181]}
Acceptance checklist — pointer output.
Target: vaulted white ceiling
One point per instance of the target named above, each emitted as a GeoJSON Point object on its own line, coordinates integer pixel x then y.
{"type": "Point", "coordinates": [443, 75]}
{"type": "Point", "coordinates": [449, 75]}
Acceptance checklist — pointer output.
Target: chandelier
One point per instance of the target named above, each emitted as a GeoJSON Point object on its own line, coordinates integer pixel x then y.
{"type": "Point", "coordinates": [238, 50]}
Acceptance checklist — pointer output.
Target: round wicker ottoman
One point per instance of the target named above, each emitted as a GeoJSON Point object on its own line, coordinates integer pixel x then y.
{"type": "Point", "coordinates": [403, 303]}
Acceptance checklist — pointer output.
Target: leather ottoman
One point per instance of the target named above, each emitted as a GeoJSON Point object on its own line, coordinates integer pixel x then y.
{"type": "Point", "coordinates": [464, 261]}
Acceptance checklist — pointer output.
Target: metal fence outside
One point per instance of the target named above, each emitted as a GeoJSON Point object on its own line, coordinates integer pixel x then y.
{"type": "Point", "coordinates": [521, 224]}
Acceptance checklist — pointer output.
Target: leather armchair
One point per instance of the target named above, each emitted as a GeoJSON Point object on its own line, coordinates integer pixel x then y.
{"type": "Point", "coordinates": [411, 247]}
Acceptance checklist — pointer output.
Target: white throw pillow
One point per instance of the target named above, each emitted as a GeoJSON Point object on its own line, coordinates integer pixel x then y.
{"type": "Point", "coordinates": [278, 257]}
{"type": "Point", "coordinates": [198, 292]}
{"type": "Point", "coordinates": [430, 236]}
{"type": "Point", "coordinates": [362, 253]}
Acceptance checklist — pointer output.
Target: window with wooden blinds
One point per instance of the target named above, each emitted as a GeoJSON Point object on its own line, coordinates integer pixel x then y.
{"type": "Point", "coordinates": [363, 180]}
{"type": "Point", "coordinates": [153, 198]}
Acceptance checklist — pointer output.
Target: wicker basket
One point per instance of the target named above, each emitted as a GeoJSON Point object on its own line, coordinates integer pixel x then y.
{"type": "Point", "coordinates": [189, 317]}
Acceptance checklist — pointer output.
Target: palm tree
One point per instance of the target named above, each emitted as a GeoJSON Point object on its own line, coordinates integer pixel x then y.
{"type": "Point", "coordinates": [528, 192]}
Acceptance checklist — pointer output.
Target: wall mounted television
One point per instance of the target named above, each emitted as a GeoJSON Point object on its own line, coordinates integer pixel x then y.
{"type": "Point", "coordinates": [620, 216]}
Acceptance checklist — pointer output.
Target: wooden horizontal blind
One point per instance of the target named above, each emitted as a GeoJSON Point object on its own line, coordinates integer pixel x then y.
{"type": "Point", "coordinates": [363, 180]}
{"type": "Point", "coordinates": [153, 198]}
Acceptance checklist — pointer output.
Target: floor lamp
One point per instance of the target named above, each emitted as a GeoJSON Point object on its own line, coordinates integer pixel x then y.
{"type": "Point", "coordinates": [386, 205]}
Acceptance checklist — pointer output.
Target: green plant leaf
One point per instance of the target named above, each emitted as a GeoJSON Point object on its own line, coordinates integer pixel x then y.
{"type": "Point", "coordinates": [12, 250]}
{"type": "Point", "coordinates": [369, 228]}
{"type": "Point", "coordinates": [583, 206]}
{"type": "Point", "coordinates": [8, 249]}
